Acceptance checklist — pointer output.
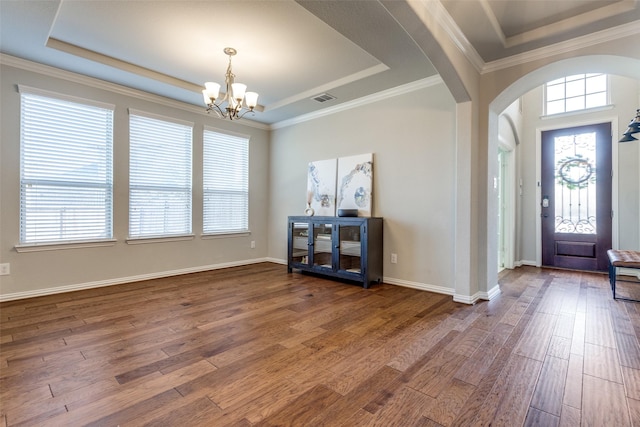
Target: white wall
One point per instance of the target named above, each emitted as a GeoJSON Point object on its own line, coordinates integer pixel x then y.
{"type": "Point", "coordinates": [624, 98]}
{"type": "Point", "coordinates": [48, 271]}
{"type": "Point", "coordinates": [412, 137]}
{"type": "Point", "coordinates": [509, 135]}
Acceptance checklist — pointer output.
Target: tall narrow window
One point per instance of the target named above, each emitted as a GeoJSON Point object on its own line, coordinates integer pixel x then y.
{"type": "Point", "coordinates": [159, 176]}
{"type": "Point", "coordinates": [66, 184]}
{"type": "Point", "coordinates": [577, 92]}
{"type": "Point", "coordinates": [226, 183]}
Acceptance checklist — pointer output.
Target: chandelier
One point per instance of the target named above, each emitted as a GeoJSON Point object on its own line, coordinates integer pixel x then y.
{"type": "Point", "coordinates": [231, 104]}
{"type": "Point", "coordinates": [634, 127]}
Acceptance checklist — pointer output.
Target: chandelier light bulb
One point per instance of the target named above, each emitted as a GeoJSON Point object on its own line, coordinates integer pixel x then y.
{"type": "Point", "coordinates": [212, 90]}
{"type": "Point", "coordinates": [238, 90]}
{"type": "Point", "coordinates": [251, 99]}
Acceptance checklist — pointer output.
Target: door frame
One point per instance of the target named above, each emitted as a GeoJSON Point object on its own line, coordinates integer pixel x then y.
{"type": "Point", "coordinates": [614, 180]}
{"type": "Point", "coordinates": [508, 210]}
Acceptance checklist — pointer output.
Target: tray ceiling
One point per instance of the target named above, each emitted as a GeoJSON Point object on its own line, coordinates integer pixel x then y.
{"type": "Point", "coordinates": [288, 51]}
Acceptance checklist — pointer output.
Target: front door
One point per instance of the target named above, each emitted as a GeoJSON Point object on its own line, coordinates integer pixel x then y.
{"type": "Point", "coordinates": [576, 197]}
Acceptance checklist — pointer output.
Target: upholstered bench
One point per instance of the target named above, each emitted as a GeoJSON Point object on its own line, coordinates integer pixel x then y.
{"type": "Point", "coordinates": [625, 259]}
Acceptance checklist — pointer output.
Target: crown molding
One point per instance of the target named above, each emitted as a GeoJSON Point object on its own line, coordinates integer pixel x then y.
{"type": "Point", "coordinates": [50, 71]}
{"type": "Point", "coordinates": [327, 87]}
{"type": "Point", "coordinates": [454, 32]}
{"type": "Point", "coordinates": [574, 22]}
{"type": "Point", "coordinates": [462, 43]}
{"type": "Point", "coordinates": [603, 36]}
{"type": "Point", "coordinates": [91, 55]}
{"type": "Point", "coordinates": [493, 20]}
{"type": "Point", "coordinates": [379, 96]}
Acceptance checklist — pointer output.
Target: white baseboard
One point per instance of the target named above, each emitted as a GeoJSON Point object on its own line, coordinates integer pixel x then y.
{"type": "Point", "coordinates": [486, 296]}
{"type": "Point", "coordinates": [525, 262]}
{"type": "Point", "coordinates": [421, 286]}
{"type": "Point", "coordinates": [121, 280]}
{"type": "Point", "coordinates": [138, 278]}
{"type": "Point", "coordinates": [466, 299]}
{"type": "Point", "coordinates": [493, 292]}
{"type": "Point", "coordinates": [399, 282]}
{"type": "Point", "coordinates": [427, 287]}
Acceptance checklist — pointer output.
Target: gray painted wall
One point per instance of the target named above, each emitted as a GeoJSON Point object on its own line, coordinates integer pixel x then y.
{"type": "Point", "coordinates": [36, 271]}
{"type": "Point", "coordinates": [412, 137]}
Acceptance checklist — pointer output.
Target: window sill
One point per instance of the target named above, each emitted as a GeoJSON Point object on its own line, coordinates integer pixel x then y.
{"type": "Point", "coordinates": [54, 246]}
{"type": "Point", "coordinates": [158, 239]}
{"type": "Point", "coordinates": [577, 112]}
{"type": "Point", "coordinates": [223, 235]}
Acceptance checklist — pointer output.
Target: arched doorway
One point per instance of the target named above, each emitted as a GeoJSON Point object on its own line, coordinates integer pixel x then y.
{"type": "Point", "coordinates": [623, 66]}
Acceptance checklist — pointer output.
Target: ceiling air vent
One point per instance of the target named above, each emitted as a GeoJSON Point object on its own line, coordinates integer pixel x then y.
{"type": "Point", "coordinates": [323, 97]}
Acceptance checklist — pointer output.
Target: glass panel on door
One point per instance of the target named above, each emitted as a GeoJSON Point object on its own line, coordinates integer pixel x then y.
{"type": "Point", "coordinates": [322, 251]}
{"type": "Point", "coordinates": [350, 257]}
{"type": "Point", "coordinates": [300, 233]}
{"type": "Point", "coordinates": [575, 192]}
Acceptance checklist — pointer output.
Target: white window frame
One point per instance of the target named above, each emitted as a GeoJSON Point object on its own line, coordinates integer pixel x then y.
{"type": "Point", "coordinates": [59, 142]}
{"type": "Point", "coordinates": [226, 175]}
{"type": "Point", "coordinates": [160, 172]}
{"type": "Point", "coordinates": [562, 83]}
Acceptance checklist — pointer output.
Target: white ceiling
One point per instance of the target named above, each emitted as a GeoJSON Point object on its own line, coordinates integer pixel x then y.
{"type": "Point", "coordinates": [288, 51]}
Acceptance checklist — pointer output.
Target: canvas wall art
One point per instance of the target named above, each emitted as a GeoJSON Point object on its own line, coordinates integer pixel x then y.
{"type": "Point", "coordinates": [355, 182]}
{"type": "Point", "coordinates": [321, 187]}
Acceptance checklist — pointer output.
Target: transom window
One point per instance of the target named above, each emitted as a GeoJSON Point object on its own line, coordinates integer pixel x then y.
{"type": "Point", "coordinates": [66, 171]}
{"type": "Point", "coordinates": [574, 93]}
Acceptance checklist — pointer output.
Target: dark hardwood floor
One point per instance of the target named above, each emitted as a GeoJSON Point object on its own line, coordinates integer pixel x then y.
{"type": "Point", "coordinates": [257, 346]}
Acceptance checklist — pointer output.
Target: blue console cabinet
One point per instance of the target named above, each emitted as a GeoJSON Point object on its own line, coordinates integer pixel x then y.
{"type": "Point", "coordinates": [348, 248]}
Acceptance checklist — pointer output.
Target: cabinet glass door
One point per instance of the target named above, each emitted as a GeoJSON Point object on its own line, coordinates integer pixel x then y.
{"type": "Point", "coordinates": [322, 250]}
{"type": "Point", "coordinates": [300, 237]}
{"type": "Point", "coordinates": [350, 246]}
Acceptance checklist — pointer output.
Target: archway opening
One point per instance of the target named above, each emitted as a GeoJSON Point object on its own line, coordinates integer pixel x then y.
{"type": "Point", "coordinates": [608, 64]}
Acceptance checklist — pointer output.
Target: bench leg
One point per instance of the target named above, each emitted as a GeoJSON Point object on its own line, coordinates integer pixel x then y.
{"type": "Point", "coordinates": [612, 278]}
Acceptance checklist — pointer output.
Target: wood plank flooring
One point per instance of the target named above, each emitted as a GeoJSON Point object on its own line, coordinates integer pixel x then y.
{"type": "Point", "coordinates": [255, 346]}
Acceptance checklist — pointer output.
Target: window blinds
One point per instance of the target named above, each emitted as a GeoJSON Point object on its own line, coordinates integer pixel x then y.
{"type": "Point", "coordinates": [225, 183]}
{"type": "Point", "coordinates": [65, 169]}
{"type": "Point", "coordinates": [160, 176]}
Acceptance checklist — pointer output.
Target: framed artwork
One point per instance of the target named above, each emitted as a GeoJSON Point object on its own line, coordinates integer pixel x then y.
{"type": "Point", "coordinates": [355, 181]}
{"type": "Point", "coordinates": [321, 187]}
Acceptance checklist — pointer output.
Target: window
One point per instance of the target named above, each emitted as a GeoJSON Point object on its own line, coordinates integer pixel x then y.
{"type": "Point", "coordinates": [159, 176]}
{"type": "Point", "coordinates": [66, 172]}
{"type": "Point", "coordinates": [226, 183]}
{"type": "Point", "coordinates": [573, 93]}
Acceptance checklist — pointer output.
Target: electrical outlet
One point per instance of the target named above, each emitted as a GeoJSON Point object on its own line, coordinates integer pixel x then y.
{"type": "Point", "coordinates": [5, 269]}
{"type": "Point", "coordinates": [253, 244]}
{"type": "Point", "coordinates": [394, 258]}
